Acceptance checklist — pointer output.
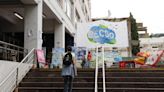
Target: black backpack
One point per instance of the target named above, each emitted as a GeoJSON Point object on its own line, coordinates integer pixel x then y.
{"type": "Point", "coordinates": [67, 60]}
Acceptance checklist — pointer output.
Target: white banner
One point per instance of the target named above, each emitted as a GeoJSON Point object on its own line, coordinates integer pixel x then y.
{"type": "Point", "coordinates": [102, 33]}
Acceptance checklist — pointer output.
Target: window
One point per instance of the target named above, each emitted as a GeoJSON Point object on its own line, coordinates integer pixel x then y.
{"type": "Point", "coordinates": [67, 8]}
{"type": "Point", "coordinates": [77, 17]}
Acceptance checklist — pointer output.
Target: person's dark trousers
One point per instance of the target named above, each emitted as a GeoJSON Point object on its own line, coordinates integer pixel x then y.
{"type": "Point", "coordinates": [68, 83]}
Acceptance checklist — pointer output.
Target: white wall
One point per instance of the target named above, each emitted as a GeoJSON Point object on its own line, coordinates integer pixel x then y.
{"type": "Point", "coordinates": [60, 14]}
{"type": "Point", "coordinates": [147, 44]}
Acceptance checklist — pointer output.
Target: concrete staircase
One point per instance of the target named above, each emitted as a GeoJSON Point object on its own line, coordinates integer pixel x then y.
{"type": "Point", "coordinates": [50, 80]}
{"type": "Point", "coordinates": [134, 80]}
{"type": "Point", "coordinates": [117, 80]}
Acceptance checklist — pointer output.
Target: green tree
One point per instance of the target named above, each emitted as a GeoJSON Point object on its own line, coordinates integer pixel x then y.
{"type": "Point", "coordinates": [134, 34]}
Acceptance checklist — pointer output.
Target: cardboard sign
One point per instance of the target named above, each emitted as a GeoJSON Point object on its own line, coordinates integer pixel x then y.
{"type": "Point", "coordinates": [40, 56]}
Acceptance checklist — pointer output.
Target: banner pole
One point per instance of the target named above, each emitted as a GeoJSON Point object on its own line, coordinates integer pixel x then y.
{"type": "Point", "coordinates": [96, 70]}
{"type": "Point", "coordinates": [103, 69]}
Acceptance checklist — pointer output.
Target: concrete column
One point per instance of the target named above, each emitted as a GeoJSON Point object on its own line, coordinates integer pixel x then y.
{"type": "Point", "coordinates": [59, 36]}
{"type": "Point", "coordinates": [33, 26]}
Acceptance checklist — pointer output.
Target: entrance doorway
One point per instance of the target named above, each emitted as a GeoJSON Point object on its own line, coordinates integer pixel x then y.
{"type": "Point", "coordinates": [48, 44]}
{"type": "Point", "coordinates": [69, 40]}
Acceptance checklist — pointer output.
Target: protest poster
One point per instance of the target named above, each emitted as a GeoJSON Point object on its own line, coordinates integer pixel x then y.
{"type": "Point", "coordinates": [40, 56]}
{"type": "Point", "coordinates": [57, 54]}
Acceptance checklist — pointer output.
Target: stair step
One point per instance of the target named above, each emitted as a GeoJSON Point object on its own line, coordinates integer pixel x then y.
{"type": "Point", "coordinates": [134, 89]}
{"type": "Point", "coordinates": [134, 74]}
{"type": "Point", "coordinates": [107, 70]}
{"type": "Point", "coordinates": [91, 84]}
{"type": "Point", "coordinates": [53, 89]}
{"type": "Point", "coordinates": [58, 70]}
{"type": "Point", "coordinates": [55, 84]}
{"type": "Point", "coordinates": [58, 74]}
{"type": "Point", "coordinates": [134, 79]}
{"type": "Point", "coordinates": [135, 70]}
{"type": "Point", "coordinates": [91, 79]}
{"type": "Point", "coordinates": [86, 89]}
{"type": "Point", "coordinates": [135, 84]}
{"type": "Point", "coordinates": [57, 79]}
{"type": "Point", "coordinates": [92, 74]}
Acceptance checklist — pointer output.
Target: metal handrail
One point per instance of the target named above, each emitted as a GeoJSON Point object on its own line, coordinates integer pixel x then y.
{"type": "Point", "coordinates": [11, 49]}
{"type": "Point", "coordinates": [17, 74]}
{"type": "Point", "coordinates": [103, 70]}
{"type": "Point", "coordinates": [11, 45]}
{"type": "Point", "coordinates": [96, 71]}
{"type": "Point", "coordinates": [7, 47]}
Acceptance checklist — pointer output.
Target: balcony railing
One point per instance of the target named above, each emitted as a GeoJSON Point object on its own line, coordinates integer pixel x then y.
{"type": "Point", "coordinates": [11, 52]}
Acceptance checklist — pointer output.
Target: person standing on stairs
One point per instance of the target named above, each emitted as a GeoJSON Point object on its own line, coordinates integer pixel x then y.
{"type": "Point", "coordinates": [69, 70]}
{"type": "Point", "coordinates": [89, 57]}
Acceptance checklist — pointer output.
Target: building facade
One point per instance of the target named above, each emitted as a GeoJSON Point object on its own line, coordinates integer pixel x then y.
{"type": "Point", "coordinates": [151, 44]}
{"type": "Point", "coordinates": [40, 24]}
{"type": "Point", "coordinates": [142, 31]}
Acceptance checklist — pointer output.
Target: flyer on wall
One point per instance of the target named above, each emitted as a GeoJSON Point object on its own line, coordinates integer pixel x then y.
{"type": "Point", "coordinates": [57, 54]}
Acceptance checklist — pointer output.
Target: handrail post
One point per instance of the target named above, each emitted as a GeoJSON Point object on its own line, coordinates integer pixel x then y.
{"type": "Point", "coordinates": [16, 83]}
{"type": "Point", "coordinates": [96, 70]}
{"type": "Point", "coordinates": [17, 55]}
{"type": "Point", "coordinates": [17, 77]}
{"type": "Point", "coordinates": [35, 60]}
